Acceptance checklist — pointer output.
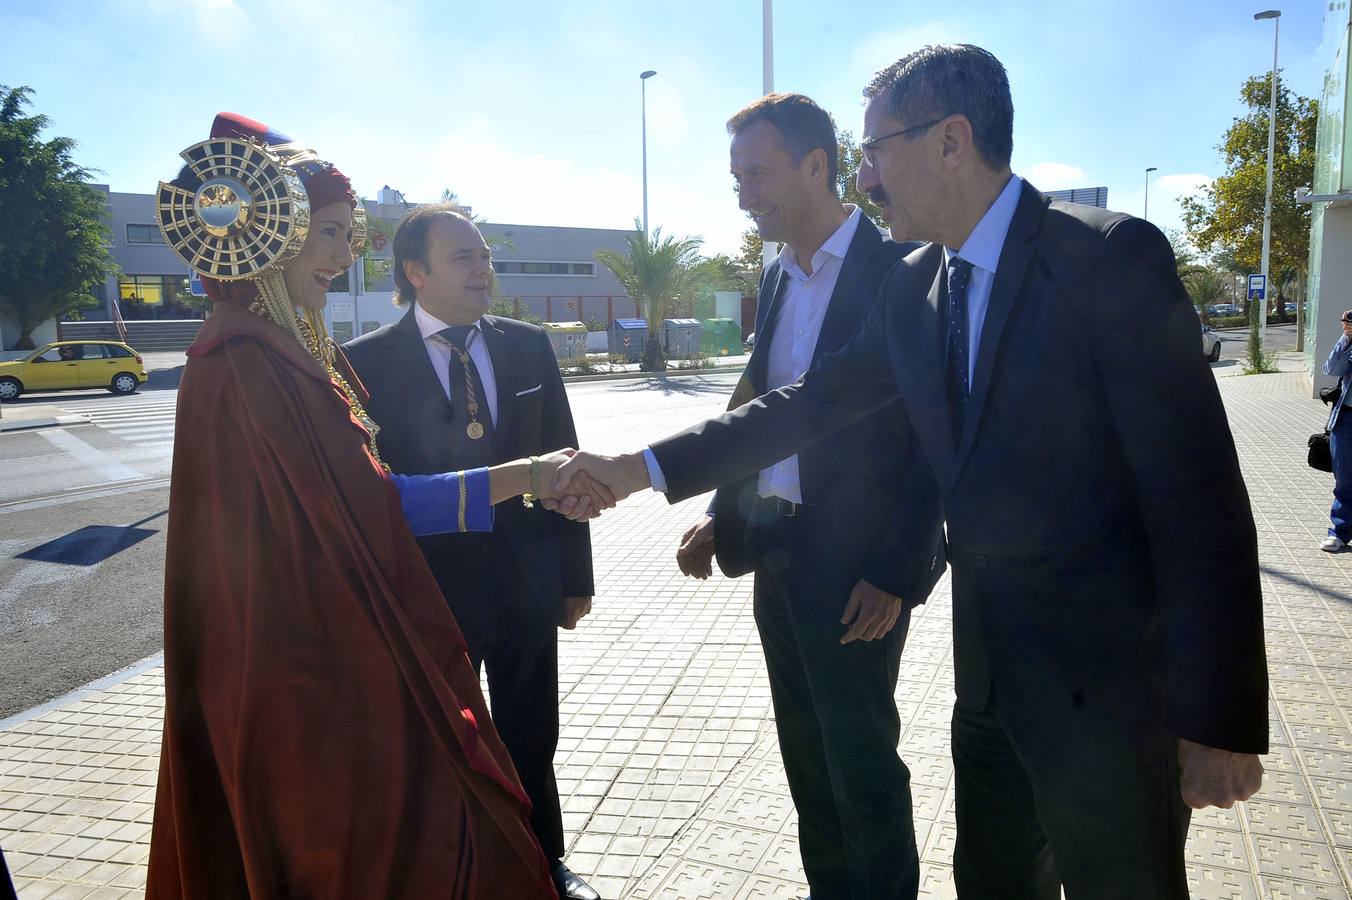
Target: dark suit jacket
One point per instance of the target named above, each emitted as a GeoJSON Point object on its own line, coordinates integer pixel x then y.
{"type": "Point", "coordinates": [876, 513]}
{"type": "Point", "coordinates": [1104, 552]}
{"type": "Point", "coordinates": [537, 557]}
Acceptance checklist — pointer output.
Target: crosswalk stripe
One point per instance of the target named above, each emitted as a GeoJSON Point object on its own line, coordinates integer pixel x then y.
{"type": "Point", "coordinates": [149, 425]}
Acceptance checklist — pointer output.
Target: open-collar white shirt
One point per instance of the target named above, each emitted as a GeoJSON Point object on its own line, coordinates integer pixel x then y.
{"type": "Point", "coordinates": [439, 352]}
{"type": "Point", "coordinates": [798, 323]}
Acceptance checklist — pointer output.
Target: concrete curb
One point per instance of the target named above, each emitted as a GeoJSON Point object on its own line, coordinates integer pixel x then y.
{"type": "Point", "coordinates": [84, 691]}
{"type": "Point", "coordinates": [33, 424]}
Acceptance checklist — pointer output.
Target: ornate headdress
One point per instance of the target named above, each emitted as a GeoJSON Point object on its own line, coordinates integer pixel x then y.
{"type": "Point", "coordinates": [240, 210]}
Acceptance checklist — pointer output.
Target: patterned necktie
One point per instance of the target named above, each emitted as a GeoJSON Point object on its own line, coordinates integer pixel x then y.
{"type": "Point", "coordinates": [467, 400]}
{"type": "Point", "coordinates": [959, 277]}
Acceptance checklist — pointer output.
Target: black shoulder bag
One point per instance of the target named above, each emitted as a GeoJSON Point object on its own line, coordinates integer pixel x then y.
{"type": "Point", "coordinates": [1319, 456]}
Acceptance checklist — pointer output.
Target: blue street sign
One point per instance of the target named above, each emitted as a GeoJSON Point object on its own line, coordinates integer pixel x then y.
{"type": "Point", "coordinates": [195, 285]}
{"type": "Point", "coordinates": [1257, 287]}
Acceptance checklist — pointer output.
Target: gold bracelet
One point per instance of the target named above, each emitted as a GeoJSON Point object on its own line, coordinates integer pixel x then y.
{"type": "Point", "coordinates": [528, 499]}
{"type": "Point", "coordinates": [464, 490]}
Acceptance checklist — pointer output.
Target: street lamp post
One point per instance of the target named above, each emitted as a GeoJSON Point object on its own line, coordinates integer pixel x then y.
{"type": "Point", "coordinates": [1146, 213]}
{"type": "Point", "coordinates": [1275, 16]}
{"type": "Point", "coordinates": [643, 82]}
{"type": "Point", "coordinates": [768, 250]}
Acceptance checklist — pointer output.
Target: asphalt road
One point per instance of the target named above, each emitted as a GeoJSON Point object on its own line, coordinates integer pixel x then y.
{"type": "Point", "coordinates": [1235, 343]}
{"type": "Point", "coordinates": [83, 512]}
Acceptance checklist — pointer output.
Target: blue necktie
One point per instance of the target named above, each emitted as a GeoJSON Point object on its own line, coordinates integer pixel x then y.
{"type": "Point", "coordinates": [955, 374]}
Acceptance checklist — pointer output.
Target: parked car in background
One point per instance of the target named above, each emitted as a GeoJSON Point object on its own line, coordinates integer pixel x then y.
{"type": "Point", "coordinates": [72, 365]}
{"type": "Point", "coordinates": [750, 342]}
{"type": "Point", "coordinates": [1211, 344]}
{"type": "Point", "coordinates": [1224, 310]}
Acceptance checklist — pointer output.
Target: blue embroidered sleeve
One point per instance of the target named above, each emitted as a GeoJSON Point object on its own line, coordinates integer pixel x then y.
{"type": "Point", "coordinates": [447, 502]}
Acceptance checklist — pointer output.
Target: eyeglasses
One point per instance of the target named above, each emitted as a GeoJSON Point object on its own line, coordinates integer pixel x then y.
{"type": "Point", "coordinates": [866, 148]}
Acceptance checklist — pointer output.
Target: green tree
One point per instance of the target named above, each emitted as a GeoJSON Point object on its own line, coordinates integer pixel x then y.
{"type": "Point", "coordinates": [847, 173]}
{"type": "Point", "coordinates": [722, 273]}
{"type": "Point", "coordinates": [753, 246]}
{"type": "Point", "coordinates": [1226, 216]}
{"type": "Point", "coordinates": [53, 240]}
{"type": "Point", "coordinates": [1206, 286]}
{"type": "Point", "coordinates": [658, 272]}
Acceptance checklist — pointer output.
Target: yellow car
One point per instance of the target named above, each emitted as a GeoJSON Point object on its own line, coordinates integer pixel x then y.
{"type": "Point", "coordinates": [69, 365]}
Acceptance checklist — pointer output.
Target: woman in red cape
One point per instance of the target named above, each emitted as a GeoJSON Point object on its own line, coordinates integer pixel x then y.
{"type": "Point", "coordinates": [325, 735]}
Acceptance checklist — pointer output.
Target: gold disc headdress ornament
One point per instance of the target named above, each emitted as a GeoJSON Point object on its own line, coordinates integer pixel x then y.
{"type": "Point", "coordinates": [246, 220]}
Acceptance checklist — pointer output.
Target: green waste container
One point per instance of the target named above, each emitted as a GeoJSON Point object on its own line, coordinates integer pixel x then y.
{"type": "Point", "coordinates": [720, 337]}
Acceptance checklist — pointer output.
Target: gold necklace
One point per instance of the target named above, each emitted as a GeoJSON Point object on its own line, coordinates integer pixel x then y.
{"type": "Point", "coordinates": [308, 329]}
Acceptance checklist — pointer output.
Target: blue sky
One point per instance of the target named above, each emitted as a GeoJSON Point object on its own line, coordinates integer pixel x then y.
{"type": "Point", "coordinates": [529, 109]}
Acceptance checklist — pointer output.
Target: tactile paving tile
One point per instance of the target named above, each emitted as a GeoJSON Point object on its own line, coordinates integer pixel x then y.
{"type": "Point", "coordinates": [1289, 889]}
{"type": "Point", "coordinates": [1214, 883]}
{"type": "Point", "coordinates": [1297, 860]}
{"type": "Point", "coordinates": [1212, 847]}
{"type": "Point", "coordinates": [1283, 820]}
{"type": "Point", "coordinates": [765, 887]}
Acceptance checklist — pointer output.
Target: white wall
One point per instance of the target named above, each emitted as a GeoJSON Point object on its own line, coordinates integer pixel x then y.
{"type": "Point", "coordinates": [9, 333]}
{"type": "Point", "coordinates": [1335, 287]}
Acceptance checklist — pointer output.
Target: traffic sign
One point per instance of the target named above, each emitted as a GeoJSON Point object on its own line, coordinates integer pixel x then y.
{"type": "Point", "coordinates": [195, 285]}
{"type": "Point", "coordinates": [1257, 287]}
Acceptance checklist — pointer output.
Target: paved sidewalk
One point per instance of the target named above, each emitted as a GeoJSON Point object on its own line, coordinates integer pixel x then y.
{"type": "Point", "coordinates": [668, 764]}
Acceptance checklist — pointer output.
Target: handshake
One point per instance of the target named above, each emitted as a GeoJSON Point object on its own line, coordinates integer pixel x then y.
{"type": "Point", "coordinates": [579, 485]}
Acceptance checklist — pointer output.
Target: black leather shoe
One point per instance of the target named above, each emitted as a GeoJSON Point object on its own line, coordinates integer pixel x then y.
{"type": "Point", "coordinates": [570, 886]}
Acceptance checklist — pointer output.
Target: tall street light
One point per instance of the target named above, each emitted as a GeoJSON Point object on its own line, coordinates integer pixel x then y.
{"type": "Point", "coordinates": [1275, 16]}
{"type": "Point", "coordinates": [643, 83]}
{"type": "Point", "coordinates": [1146, 214]}
{"type": "Point", "coordinates": [768, 249]}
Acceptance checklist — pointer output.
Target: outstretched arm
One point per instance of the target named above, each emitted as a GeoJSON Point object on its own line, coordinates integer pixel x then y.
{"type": "Point", "coordinates": [464, 501]}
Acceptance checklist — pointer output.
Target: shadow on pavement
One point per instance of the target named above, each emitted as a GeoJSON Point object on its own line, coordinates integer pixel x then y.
{"type": "Point", "coordinates": [92, 544]}
{"type": "Point", "coordinates": [687, 385]}
{"type": "Point", "coordinates": [163, 379]}
{"type": "Point", "coordinates": [1305, 583]}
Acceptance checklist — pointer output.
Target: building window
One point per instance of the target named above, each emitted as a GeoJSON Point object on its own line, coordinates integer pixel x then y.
{"type": "Point", "coordinates": [526, 267]}
{"type": "Point", "coordinates": [143, 234]}
{"type": "Point", "coordinates": [155, 297]}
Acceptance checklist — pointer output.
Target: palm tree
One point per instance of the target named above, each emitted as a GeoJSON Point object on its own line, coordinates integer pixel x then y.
{"type": "Point", "coordinates": [1205, 286]}
{"type": "Point", "coordinates": [657, 274]}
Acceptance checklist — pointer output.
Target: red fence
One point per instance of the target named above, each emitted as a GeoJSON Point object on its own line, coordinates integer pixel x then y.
{"type": "Point", "coordinates": [603, 308]}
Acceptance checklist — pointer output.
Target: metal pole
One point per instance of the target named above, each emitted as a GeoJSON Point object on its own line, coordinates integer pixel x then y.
{"type": "Point", "coordinates": [768, 45]}
{"type": "Point", "coordinates": [1267, 200]}
{"type": "Point", "coordinates": [768, 249]}
{"type": "Point", "coordinates": [643, 82]}
{"type": "Point", "coordinates": [1146, 213]}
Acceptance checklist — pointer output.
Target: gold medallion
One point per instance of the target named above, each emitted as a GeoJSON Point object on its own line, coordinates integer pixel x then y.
{"type": "Point", "coordinates": [474, 430]}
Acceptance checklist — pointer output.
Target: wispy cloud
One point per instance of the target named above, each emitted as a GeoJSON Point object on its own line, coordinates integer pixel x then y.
{"type": "Point", "coordinates": [1056, 176]}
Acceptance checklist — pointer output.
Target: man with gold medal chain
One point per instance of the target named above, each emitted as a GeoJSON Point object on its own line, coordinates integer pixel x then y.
{"type": "Point", "coordinates": [454, 388]}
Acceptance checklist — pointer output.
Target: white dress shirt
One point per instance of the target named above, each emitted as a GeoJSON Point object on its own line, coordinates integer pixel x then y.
{"type": "Point", "coordinates": [982, 249]}
{"type": "Point", "coordinates": [439, 352]}
{"type": "Point", "coordinates": [793, 340]}
{"type": "Point", "coordinates": [797, 327]}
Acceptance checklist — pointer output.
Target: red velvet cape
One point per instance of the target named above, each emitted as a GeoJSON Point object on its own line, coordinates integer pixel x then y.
{"type": "Point", "coordinates": [325, 735]}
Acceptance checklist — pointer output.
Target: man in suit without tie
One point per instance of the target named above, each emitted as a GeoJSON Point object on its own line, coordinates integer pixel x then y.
{"type": "Point", "coordinates": [844, 539]}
